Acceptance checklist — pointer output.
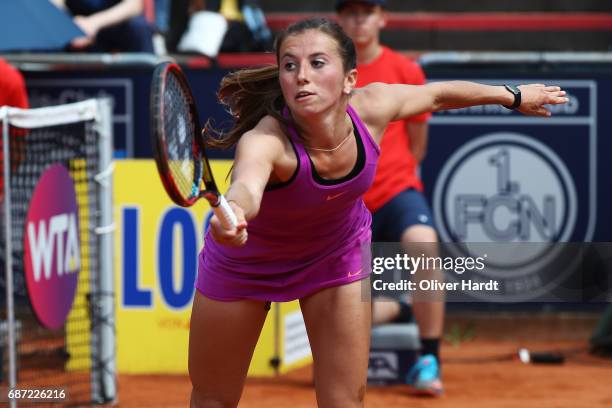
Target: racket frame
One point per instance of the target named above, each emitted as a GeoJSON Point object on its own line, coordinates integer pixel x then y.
{"type": "Point", "coordinates": [202, 170]}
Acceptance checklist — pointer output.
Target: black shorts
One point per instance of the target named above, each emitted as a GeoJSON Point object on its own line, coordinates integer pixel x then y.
{"type": "Point", "coordinates": [406, 209]}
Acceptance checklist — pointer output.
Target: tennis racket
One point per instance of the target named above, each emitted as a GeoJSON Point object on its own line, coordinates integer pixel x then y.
{"type": "Point", "coordinates": [178, 144]}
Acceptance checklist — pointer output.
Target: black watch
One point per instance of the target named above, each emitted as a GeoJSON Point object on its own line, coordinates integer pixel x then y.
{"type": "Point", "coordinates": [517, 96]}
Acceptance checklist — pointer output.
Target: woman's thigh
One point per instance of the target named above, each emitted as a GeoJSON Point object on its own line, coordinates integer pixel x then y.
{"type": "Point", "coordinates": [222, 338]}
{"type": "Point", "coordinates": [338, 321]}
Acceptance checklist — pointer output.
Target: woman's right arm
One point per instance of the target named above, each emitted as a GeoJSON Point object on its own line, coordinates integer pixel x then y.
{"type": "Point", "coordinates": [256, 153]}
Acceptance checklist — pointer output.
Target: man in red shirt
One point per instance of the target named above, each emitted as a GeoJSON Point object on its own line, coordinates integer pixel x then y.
{"type": "Point", "coordinates": [12, 93]}
{"type": "Point", "coordinates": [399, 210]}
{"type": "Point", "coordinates": [12, 87]}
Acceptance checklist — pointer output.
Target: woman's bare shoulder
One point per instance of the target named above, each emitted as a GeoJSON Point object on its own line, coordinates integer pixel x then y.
{"type": "Point", "coordinates": [368, 100]}
{"type": "Point", "coordinates": [269, 125]}
{"type": "Point", "coordinates": [267, 133]}
{"type": "Point", "coordinates": [369, 103]}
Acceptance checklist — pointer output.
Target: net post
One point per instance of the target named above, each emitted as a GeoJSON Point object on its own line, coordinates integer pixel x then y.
{"type": "Point", "coordinates": [106, 388]}
{"type": "Point", "coordinates": [8, 259]}
{"type": "Point", "coordinates": [51, 125]}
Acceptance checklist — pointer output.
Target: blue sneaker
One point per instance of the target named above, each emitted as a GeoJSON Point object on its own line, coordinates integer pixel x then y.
{"type": "Point", "coordinates": [424, 376]}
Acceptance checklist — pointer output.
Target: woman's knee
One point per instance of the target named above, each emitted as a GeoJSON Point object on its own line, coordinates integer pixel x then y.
{"type": "Point", "coordinates": [207, 392]}
{"type": "Point", "coordinates": [201, 399]}
{"type": "Point", "coordinates": [420, 239]}
{"type": "Point", "coordinates": [338, 397]}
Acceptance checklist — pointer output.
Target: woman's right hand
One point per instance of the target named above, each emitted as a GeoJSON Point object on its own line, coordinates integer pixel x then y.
{"type": "Point", "coordinates": [235, 237]}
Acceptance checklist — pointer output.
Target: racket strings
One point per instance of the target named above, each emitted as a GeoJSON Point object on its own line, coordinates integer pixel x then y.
{"type": "Point", "coordinates": [183, 152]}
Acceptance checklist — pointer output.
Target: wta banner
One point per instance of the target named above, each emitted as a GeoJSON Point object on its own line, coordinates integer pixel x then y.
{"type": "Point", "coordinates": [52, 247]}
{"type": "Point", "coordinates": [157, 247]}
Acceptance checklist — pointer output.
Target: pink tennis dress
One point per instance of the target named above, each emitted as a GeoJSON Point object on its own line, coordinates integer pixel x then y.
{"type": "Point", "coordinates": [310, 233]}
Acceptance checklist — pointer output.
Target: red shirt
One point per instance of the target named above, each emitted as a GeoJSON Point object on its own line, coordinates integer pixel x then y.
{"type": "Point", "coordinates": [396, 169]}
{"type": "Point", "coordinates": [12, 93]}
{"type": "Point", "coordinates": [12, 87]}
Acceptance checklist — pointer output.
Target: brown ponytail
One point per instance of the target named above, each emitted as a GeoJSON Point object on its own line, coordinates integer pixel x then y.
{"type": "Point", "coordinates": [249, 95]}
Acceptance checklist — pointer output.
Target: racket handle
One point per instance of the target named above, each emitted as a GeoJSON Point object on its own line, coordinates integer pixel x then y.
{"type": "Point", "coordinates": [224, 212]}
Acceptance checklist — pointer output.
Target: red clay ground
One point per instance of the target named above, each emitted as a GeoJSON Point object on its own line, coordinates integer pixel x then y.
{"type": "Point", "coordinates": [477, 373]}
{"type": "Point", "coordinates": [480, 369]}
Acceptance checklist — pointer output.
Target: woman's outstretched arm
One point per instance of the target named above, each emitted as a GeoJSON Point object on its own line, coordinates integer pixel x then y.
{"type": "Point", "coordinates": [389, 102]}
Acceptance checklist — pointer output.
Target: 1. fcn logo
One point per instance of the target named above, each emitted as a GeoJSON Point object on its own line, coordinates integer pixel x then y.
{"type": "Point", "coordinates": [510, 198]}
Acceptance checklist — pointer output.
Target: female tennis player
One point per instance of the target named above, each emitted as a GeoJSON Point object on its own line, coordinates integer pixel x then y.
{"type": "Point", "coordinates": [306, 151]}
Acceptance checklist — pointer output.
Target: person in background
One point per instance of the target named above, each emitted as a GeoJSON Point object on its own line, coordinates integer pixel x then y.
{"type": "Point", "coordinates": [12, 87]}
{"type": "Point", "coordinates": [110, 25]}
{"type": "Point", "coordinates": [400, 212]}
{"type": "Point", "coordinates": [247, 29]}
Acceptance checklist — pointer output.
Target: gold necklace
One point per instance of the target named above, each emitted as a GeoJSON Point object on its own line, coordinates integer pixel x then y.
{"type": "Point", "coordinates": [333, 149]}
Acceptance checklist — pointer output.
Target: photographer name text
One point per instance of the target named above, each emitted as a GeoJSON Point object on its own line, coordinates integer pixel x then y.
{"type": "Point", "coordinates": [436, 285]}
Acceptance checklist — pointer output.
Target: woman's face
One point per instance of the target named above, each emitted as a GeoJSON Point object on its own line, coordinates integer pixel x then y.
{"type": "Point", "coordinates": [311, 73]}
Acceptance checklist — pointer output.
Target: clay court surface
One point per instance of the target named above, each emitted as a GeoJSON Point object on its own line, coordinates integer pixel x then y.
{"type": "Point", "coordinates": [479, 371]}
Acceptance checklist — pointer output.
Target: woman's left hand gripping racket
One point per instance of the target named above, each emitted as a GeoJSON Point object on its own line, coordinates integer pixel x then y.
{"type": "Point", "coordinates": [178, 144]}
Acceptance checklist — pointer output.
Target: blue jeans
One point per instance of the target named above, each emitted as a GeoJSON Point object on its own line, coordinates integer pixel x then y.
{"type": "Point", "coordinates": [133, 35]}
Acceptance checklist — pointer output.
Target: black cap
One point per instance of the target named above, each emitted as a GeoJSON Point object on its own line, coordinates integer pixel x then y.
{"type": "Point", "coordinates": [342, 3]}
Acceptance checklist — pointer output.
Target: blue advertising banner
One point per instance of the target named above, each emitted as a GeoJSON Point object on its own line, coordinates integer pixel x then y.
{"type": "Point", "coordinates": [51, 91]}
{"type": "Point", "coordinates": [537, 178]}
{"type": "Point", "coordinates": [494, 175]}
{"type": "Point", "coordinates": [128, 88]}
{"type": "Point", "coordinates": [505, 177]}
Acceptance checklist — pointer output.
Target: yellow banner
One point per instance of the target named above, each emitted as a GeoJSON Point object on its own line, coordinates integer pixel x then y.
{"type": "Point", "coordinates": [156, 248]}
